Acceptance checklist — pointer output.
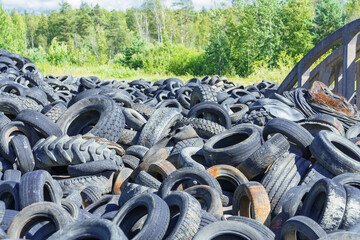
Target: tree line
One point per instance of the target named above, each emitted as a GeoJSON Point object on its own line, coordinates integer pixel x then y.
{"type": "Point", "coordinates": [231, 40]}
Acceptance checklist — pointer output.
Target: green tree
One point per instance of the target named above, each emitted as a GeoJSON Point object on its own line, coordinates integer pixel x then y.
{"type": "Point", "coordinates": [352, 10]}
{"type": "Point", "coordinates": [243, 37]}
{"type": "Point", "coordinates": [6, 31]}
{"type": "Point", "coordinates": [18, 32]}
{"type": "Point", "coordinates": [117, 33]}
{"type": "Point", "coordinates": [329, 16]}
{"type": "Point", "coordinates": [297, 16]}
{"type": "Point", "coordinates": [42, 32]}
{"type": "Point", "coordinates": [185, 10]}
{"type": "Point", "coordinates": [84, 21]}
{"type": "Point", "coordinates": [64, 22]}
{"type": "Point", "coordinates": [218, 50]}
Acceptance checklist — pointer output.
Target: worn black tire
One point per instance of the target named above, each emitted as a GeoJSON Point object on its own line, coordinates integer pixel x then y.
{"type": "Point", "coordinates": [4, 120]}
{"type": "Point", "coordinates": [158, 126]}
{"type": "Point", "coordinates": [294, 132]}
{"type": "Point", "coordinates": [304, 225]}
{"type": "Point", "coordinates": [2, 212]}
{"type": "Point", "coordinates": [36, 94]}
{"type": "Point", "coordinates": [211, 109]}
{"type": "Point", "coordinates": [129, 137]}
{"type": "Point", "coordinates": [90, 228]}
{"type": "Point", "coordinates": [315, 173]}
{"type": "Point", "coordinates": [352, 179]}
{"type": "Point", "coordinates": [157, 220]}
{"type": "Point", "coordinates": [239, 110]}
{"type": "Point", "coordinates": [143, 109]}
{"type": "Point", "coordinates": [15, 126]}
{"type": "Point", "coordinates": [338, 155]}
{"type": "Point", "coordinates": [187, 211]}
{"type": "Point", "coordinates": [297, 172]}
{"type": "Point", "coordinates": [64, 150]}
{"type": "Point", "coordinates": [190, 142]}
{"type": "Point", "coordinates": [107, 203]}
{"type": "Point", "coordinates": [189, 157]}
{"type": "Point", "coordinates": [133, 119]}
{"type": "Point", "coordinates": [137, 151]}
{"type": "Point", "coordinates": [260, 117]}
{"type": "Point", "coordinates": [145, 179]}
{"type": "Point", "coordinates": [131, 190]}
{"type": "Point", "coordinates": [353, 131]}
{"type": "Point", "coordinates": [184, 174]}
{"type": "Point", "coordinates": [202, 93]}
{"type": "Point", "coordinates": [264, 156]}
{"type": "Point", "coordinates": [5, 164]}
{"type": "Point", "coordinates": [228, 229]}
{"type": "Point", "coordinates": [351, 217]}
{"type": "Point", "coordinates": [285, 173]}
{"type": "Point", "coordinates": [7, 218]}
{"type": "Point", "coordinates": [38, 186]}
{"type": "Point", "coordinates": [91, 168]}
{"type": "Point", "coordinates": [131, 161]}
{"type": "Point", "coordinates": [209, 199]}
{"type": "Point", "coordinates": [101, 180]}
{"type": "Point", "coordinates": [30, 215]}
{"type": "Point", "coordinates": [276, 169]}
{"type": "Point", "coordinates": [35, 80]}
{"type": "Point", "coordinates": [355, 228]}
{"type": "Point", "coordinates": [55, 112]}
{"type": "Point", "coordinates": [325, 203]}
{"type": "Point", "coordinates": [17, 103]}
{"type": "Point", "coordinates": [341, 235]}
{"type": "Point", "coordinates": [232, 147]}
{"type": "Point", "coordinates": [74, 197]}
{"type": "Point", "coordinates": [39, 122]}
{"type": "Point", "coordinates": [90, 194]}
{"type": "Point", "coordinates": [293, 200]}
{"type": "Point", "coordinates": [204, 128]}
{"type": "Point", "coordinates": [24, 155]}
{"type": "Point", "coordinates": [261, 228]}
{"type": "Point", "coordinates": [73, 209]}
{"type": "Point", "coordinates": [12, 175]}
{"type": "Point", "coordinates": [9, 195]}
{"type": "Point", "coordinates": [101, 111]}
{"type": "Point", "coordinates": [206, 219]}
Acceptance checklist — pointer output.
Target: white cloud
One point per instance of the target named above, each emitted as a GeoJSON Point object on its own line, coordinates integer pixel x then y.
{"type": "Point", "coordinates": [43, 5]}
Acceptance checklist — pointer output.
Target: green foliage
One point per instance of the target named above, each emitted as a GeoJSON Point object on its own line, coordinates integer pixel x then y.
{"type": "Point", "coordinates": [352, 10]}
{"type": "Point", "coordinates": [58, 53]}
{"type": "Point", "coordinates": [36, 55]}
{"type": "Point", "coordinates": [132, 52]}
{"type": "Point", "coordinates": [249, 38]}
{"type": "Point", "coordinates": [6, 26]}
{"type": "Point", "coordinates": [297, 17]}
{"type": "Point", "coordinates": [329, 16]}
{"type": "Point", "coordinates": [218, 50]}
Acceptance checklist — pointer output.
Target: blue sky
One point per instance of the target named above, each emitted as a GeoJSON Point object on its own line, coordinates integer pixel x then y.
{"type": "Point", "coordinates": [42, 5]}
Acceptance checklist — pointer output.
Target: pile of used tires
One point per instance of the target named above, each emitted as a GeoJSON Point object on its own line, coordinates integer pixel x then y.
{"type": "Point", "coordinates": [83, 158]}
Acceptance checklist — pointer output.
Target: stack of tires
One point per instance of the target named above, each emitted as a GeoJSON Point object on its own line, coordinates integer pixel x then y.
{"type": "Point", "coordinates": [84, 158]}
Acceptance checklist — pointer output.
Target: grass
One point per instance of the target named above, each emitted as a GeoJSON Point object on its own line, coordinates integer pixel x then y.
{"type": "Point", "coordinates": [117, 72]}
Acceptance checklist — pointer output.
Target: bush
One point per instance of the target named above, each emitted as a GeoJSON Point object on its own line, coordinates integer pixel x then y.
{"type": "Point", "coordinates": [36, 55]}
{"type": "Point", "coordinates": [58, 53]}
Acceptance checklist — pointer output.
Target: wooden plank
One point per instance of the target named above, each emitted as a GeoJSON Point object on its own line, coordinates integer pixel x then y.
{"type": "Point", "coordinates": [349, 67]}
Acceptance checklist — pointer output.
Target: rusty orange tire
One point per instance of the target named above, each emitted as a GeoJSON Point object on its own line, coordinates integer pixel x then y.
{"type": "Point", "coordinates": [229, 174]}
{"type": "Point", "coordinates": [121, 178]}
{"type": "Point", "coordinates": [251, 200]}
{"type": "Point", "coordinates": [161, 169]}
{"type": "Point", "coordinates": [160, 154]}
